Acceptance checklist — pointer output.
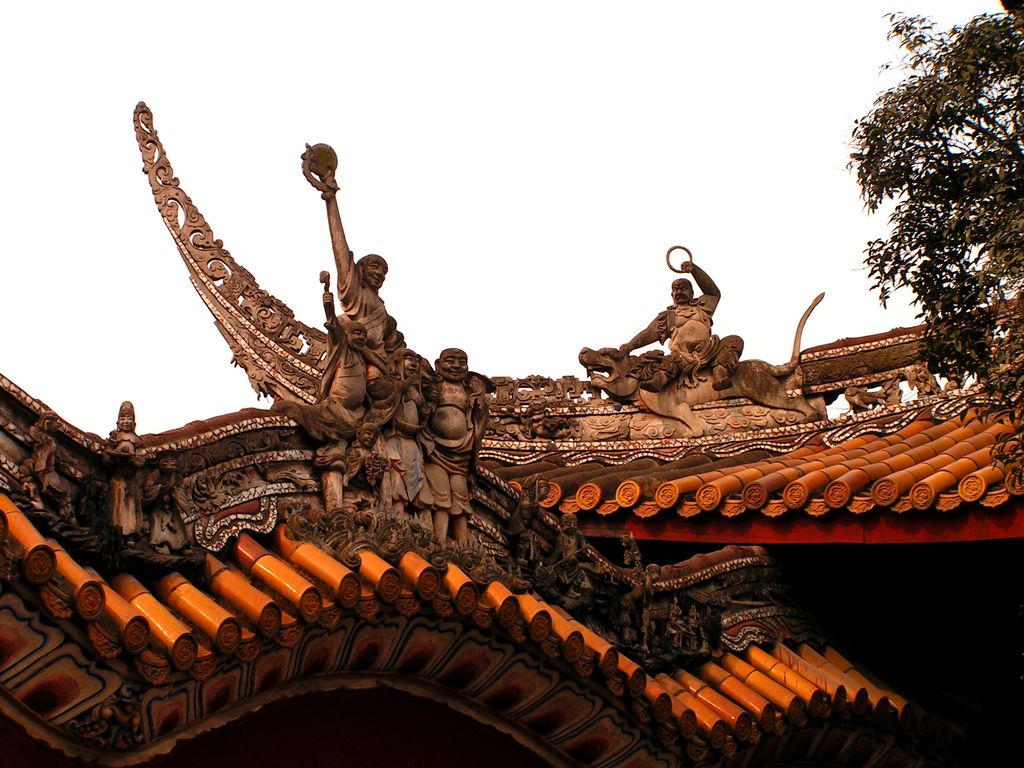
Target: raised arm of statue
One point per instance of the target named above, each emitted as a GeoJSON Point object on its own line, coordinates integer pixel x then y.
{"type": "Point", "coordinates": [712, 294]}
{"type": "Point", "coordinates": [343, 259]}
{"type": "Point", "coordinates": [359, 282]}
{"type": "Point", "coordinates": [319, 165]}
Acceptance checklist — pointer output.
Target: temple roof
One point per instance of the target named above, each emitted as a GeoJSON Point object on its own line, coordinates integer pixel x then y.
{"type": "Point", "coordinates": [258, 601]}
{"type": "Point", "coordinates": [424, 529]}
{"type": "Point", "coordinates": [869, 480]}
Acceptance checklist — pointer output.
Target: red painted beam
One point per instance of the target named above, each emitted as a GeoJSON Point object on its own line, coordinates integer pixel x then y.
{"type": "Point", "coordinates": [970, 522]}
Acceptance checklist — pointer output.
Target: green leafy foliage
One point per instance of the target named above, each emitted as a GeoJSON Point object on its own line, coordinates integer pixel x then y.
{"type": "Point", "coordinates": [945, 148]}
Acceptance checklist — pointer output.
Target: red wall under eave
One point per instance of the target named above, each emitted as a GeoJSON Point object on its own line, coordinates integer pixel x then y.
{"type": "Point", "coordinates": [969, 522]}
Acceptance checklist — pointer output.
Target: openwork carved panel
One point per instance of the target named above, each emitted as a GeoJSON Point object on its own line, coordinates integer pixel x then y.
{"type": "Point", "coordinates": [282, 356]}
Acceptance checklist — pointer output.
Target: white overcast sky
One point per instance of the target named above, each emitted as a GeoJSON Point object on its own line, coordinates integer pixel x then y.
{"type": "Point", "coordinates": [522, 166]}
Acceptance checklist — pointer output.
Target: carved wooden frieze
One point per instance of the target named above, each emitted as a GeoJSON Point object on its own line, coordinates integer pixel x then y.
{"type": "Point", "coordinates": [867, 363]}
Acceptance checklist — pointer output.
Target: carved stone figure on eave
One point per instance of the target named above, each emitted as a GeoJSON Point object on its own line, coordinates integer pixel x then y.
{"type": "Point", "coordinates": [658, 624]}
{"type": "Point", "coordinates": [356, 380]}
{"type": "Point", "coordinates": [691, 634]}
{"type": "Point", "coordinates": [563, 576]}
{"type": "Point", "coordinates": [522, 527]}
{"type": "Point", "coordinates": [359, 283]}
{"type": "Point", "coordinates": [451, 439]}
{"type": "Point", "coordinates": [44, 448]}
{"type": "Point", "coordinates": [700, 367]}
{"type": "Point", "coordinates": [640, 607]}
{"type": "Point", "coordinates": [686, 326]}
{"type": "Point", "coordinates": [862, 399]}
{"type": "Point", "coordinates": [358, 389]}
{"type": "Point", "coordinates": [121, 453]}
{"type": "Point", "coordinates": [40, 463]}
{"type": "Point", "coordinates": [366, 458]}
{"type": "Point", "coordinates": [166, 528]}
{"type": "Point", "coordinates": [410, 491]}
{"type": "Point", "coordinates": [919, 378]}
{"type": "Point", "coordinates": [330, 384]}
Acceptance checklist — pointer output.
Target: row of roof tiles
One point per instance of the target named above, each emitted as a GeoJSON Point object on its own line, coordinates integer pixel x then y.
{"type": "Point", "coordinates": [925, 465]}
{"type": "Point", "coordinates": [259, 597]}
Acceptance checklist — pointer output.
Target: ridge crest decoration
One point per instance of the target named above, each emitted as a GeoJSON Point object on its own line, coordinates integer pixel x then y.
{"type": "Point", "coordinates": [283, 357]}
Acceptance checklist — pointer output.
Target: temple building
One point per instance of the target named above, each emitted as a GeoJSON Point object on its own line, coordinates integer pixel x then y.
{"type": "Point", "coordinates": [681, 559]}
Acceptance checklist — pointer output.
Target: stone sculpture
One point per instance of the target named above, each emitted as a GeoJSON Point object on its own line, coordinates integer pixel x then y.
{"type": "Point", "coordinates": [121, 452]}
{"type": "Point", "coordinates": [451, 438]}
{"type": "Point", "coordinates": [862, 399]}
{"type": "Point", "coordinates": [166, 530]}
{"type": "Point", "coordinates": [686, 326]}
{"type": "Point", "coordinates": [359, 282]}
{"type": "Point", "coordinates": [40, 462]}
{"type": "Point", "coordinates": [565, 570]}
{"type": "Point", "coordinates": [700, 367]}
{"type": "Point", "coordinates": [357, 390]}
{"type": "Point", "coordinates": [365, 459]}
{"type": "Point", "coordinates": [523, 523]}
{"type": "Point", "coordinates": [409, 489]}
{"type": "Point", "coordinates": [390, 431]}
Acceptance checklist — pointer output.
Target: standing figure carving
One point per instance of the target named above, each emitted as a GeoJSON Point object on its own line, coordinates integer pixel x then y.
{"type": "Point", "coordinates": [359, 282]}
{"type": "Point", "coordinates": [430, 433]}
{"type": "Point", "coordinates": [410, 491]}
{"type": "Point", "coordinates": [563, 574]}
{"type": "Point", "coordinates": [121, 452]}
{"type": "Point", "coordinates": [40, 464]}
{"type": "Point", "coordinates": [357, 388]}
{"type": "Point", "coordinates": [450, 440]}
{"type": "Point", "coordinates": [523, 521]}
{"type": "Point", "coordinates": [420, 439]}
{"type": "Point", "coordinates": [166, 528]}
{"type": "Point", "coordinates": [366, 459]}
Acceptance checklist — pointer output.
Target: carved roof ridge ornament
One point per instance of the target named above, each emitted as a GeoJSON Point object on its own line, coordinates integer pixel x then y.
{"type": "Point", "coordinates": [389, 431]}
{"type": "Point", "coordinates": [699, 367]}
{"type": "Point", "coordinates": [283, 357]}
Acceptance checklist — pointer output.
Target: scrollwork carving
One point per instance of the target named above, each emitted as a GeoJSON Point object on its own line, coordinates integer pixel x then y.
{"type": "Point", "coordinates": [262, 331]}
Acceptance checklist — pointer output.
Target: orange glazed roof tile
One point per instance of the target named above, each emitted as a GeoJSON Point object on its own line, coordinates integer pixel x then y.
{"type": "Point", "coordinates": [930, 465]}
{"type": "Point", "coordinates": [195, 627]}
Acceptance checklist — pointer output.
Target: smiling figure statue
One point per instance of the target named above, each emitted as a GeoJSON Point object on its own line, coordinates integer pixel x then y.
{"type": "Point", "coordinates": [451, 438]}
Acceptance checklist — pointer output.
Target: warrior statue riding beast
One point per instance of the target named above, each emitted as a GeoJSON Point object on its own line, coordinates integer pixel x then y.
{"type": "Point", "coordinates": [700, 367]}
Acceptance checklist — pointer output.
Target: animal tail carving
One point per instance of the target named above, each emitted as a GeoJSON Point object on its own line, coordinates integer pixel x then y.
{"type": "Point", "coordinates": [787, 368]}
